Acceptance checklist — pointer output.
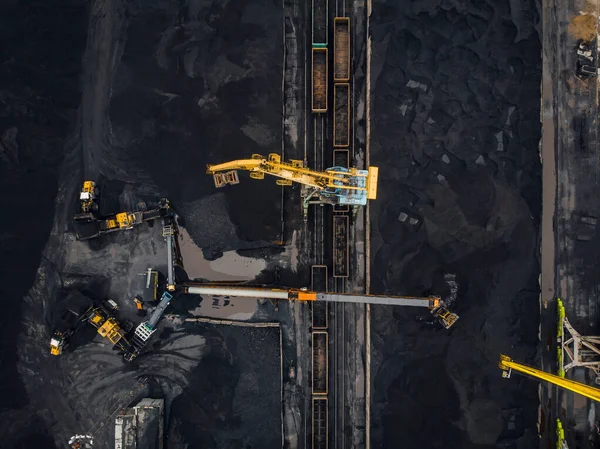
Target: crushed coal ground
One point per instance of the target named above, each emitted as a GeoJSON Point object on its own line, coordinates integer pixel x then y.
{"type": "Point", "coordinates": [455, 89]}
{"type": "Point", "coordinates": [159, 90]}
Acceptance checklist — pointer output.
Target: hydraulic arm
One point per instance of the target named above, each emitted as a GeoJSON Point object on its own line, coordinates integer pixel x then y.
{"type": "Point", "coordinates": [507, 365]}
{"type": "Point", "coordinates": [435, 305]}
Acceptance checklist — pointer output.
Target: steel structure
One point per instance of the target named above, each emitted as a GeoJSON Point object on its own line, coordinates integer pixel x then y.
{"type": "Point", "coordinates": [435, 305]}
{"type": "Point", "coordinates": [507, 366]}
{"type": "Point", "coordinates": [575, 349]}
{"type": "Point", "coordinates": [336, 185]}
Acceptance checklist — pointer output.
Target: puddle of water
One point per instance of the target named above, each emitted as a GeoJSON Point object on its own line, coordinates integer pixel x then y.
{"type": "Point", "coordinates": [230, 267]}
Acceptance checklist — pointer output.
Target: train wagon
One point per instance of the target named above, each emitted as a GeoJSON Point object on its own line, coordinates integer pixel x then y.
{"type": "Point", "coordinates": [341, 115]}
{"type": "Point", "coordinates": [341, 49]}
{"type": "Point", "coordinates": [319, 79]}
{"type": "Point", "coordinates": [319, 21]}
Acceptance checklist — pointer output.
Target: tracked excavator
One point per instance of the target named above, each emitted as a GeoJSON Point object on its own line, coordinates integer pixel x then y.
{"type": "Point", "coordinates": [336, 185]}
{"type": "Point", "coordinates": [435, 305]}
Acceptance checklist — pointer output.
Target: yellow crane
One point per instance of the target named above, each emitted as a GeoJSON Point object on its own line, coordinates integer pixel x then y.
{"type": "Point", "coordinates": [335, 185]}
{"type": "Point", "coordinates": [507, 366]}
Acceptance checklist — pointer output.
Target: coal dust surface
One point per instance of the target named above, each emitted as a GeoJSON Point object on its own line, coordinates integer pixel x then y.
{"type": "Point", "coordinates": [455, 91]}
{"type": "Point", "coordinates": [40, 65]}
{"type": "Point", "coordinates": [140, 96]}
{"type": "Point", "coordinates": [196, 84]}
{"type": "Point", "coordinates": [234, 397]}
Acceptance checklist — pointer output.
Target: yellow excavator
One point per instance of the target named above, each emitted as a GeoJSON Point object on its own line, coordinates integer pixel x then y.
{"type": "Point", "coordinates": [336, 185]}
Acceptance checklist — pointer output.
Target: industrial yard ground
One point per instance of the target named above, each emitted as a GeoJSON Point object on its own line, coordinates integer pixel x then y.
{"type": "Point", "coordinates": [141, 95]}
{"type": "Point", "coordinates": [455, 93]}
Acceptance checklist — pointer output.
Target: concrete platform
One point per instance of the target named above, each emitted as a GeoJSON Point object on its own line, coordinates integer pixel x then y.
{"type": "Point", "coordinates": [141, 426]}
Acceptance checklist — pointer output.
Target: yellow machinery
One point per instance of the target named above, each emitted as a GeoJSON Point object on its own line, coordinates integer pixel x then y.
{"type": "Point", "coordinates": [123, 221]}
{"type": "Point", "coordinates": [107, 326]}
{"type": "Point", "coordinates": [336, 185]}
{"type": "Point", "coordinates": [435, 305]}
{"type": "Point", "coordinates": [88, 226]}
{"type": "Point", "coordinates": [507, 365]}
{"type": "Point", "coordinates": [88, 196]}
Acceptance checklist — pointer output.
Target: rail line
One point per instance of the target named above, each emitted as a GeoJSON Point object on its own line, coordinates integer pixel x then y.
{"type": "Point", "coordinates": [339, 358]}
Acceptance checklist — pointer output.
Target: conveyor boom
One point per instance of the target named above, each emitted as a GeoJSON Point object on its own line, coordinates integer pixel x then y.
{"type": "Point", "coordinates": [433, 303]}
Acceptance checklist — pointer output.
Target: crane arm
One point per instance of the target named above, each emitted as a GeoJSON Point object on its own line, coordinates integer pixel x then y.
{"type": "Point", "coordinates": [240, 164]}
{"type": "Point", "coordinates": [507, 365]}
{"type": "Point", "coordinates": [288, 170]}
{"type": "Point", "coordinates": [433, 303]}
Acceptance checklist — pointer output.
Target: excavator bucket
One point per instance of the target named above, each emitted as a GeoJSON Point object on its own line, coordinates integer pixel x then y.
{"type": "Point", "coordinates": [222, 179]}
{"type": "Point", "coordinates": [372, 179]}
{"type": "Point", "coordinates": [444, 316]}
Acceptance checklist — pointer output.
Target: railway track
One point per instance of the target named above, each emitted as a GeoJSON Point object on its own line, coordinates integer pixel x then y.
{"type": "Point", "coordinates": [339, 358]}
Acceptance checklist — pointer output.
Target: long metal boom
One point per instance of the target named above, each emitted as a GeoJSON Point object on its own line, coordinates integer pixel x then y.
{"type": "Point", "coordinates": [507, 365]}
{"type": "Point", "coordinates": [433, 303]}
{"type": "Point", "coordinates": [305, 295]}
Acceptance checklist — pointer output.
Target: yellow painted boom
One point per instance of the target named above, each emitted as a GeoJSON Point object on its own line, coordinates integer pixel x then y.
{"type": "Point", "coordinates": [294, 171]}
{"type": "Point", "coordinates": [507, 365]}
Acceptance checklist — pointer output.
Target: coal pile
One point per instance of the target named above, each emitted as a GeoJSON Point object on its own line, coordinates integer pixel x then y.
{"type": "Point", "coordinates": [234, 396]}
{"type": "Point", "coordinates": [197, 84]}
{"type": "Point", "coordinates": [40, 64]}
{"type": "Point", "coordinates": [163, 88]}
{"type": "Point", "coordinates": [455, 92]}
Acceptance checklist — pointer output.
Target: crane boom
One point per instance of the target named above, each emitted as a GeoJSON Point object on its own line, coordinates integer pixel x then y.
{"type": "Point", "coordinates": [507, 365]}
{"type": "Point", "coordinates": [433, 303]}
{"type": "Point", "coordinates": [356, 185]}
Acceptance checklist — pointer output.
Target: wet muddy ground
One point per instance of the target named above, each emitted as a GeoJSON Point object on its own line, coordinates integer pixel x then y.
{"type": "Point", "coordinates": [455, 90]}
